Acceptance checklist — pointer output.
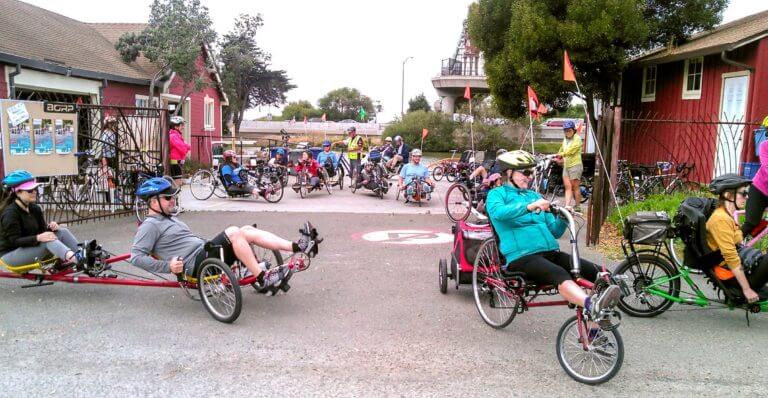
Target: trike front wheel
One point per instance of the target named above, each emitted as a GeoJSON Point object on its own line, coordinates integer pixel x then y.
{"type": "Point", "coordinates": [648, 271]}
{"type": "Point", "coordinates": [219, 290]}
{"type": "Point", "coordinates": [592, 362]}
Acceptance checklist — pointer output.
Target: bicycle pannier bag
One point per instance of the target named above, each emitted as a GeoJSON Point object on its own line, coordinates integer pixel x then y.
{"type": "Point", "coordinates": [647, 227]}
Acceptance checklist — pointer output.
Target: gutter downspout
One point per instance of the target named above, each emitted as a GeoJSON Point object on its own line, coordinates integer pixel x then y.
{"type": "Point", "coordinates": [12, 83]}
{"type": "Point", "coordinates": [729, 61]}
{"type": "Point", "coordinates": [104, 83]}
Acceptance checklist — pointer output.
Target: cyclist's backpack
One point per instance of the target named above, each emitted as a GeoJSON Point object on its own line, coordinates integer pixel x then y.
{"type": "Point", "coordinates": [691, 227]}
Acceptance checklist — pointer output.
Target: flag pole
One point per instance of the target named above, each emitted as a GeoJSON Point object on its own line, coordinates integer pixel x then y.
{"type": "Point", "coordinates": [530, 127]}
{"type": "Point", "coordinates": [471, 130]}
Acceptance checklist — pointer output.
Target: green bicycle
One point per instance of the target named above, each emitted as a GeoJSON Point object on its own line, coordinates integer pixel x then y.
{"type": "Point", "coordinates": [655, 273]}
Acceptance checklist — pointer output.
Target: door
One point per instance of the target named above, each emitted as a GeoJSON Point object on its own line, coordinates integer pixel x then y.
{"type": "Point", "coordinates": [730, 136]}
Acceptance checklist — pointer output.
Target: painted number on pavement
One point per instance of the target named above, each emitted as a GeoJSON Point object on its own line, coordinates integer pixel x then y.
{"type": "Point", "coordinates": [409, 237]}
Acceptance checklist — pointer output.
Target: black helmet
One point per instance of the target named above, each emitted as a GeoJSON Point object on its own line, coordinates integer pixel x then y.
{"type": "Point", "coordinates": [727, 182]}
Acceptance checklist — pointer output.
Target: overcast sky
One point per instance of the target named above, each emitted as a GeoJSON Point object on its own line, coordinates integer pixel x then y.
{"type": "Point", "coordinates": [329, 44]}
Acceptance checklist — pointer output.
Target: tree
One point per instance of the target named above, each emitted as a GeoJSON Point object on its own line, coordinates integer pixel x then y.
{"type": "Point", "coordinates": [419, 102]}
{"type": "Point", "coordinates": [299, 110]}
{"type": "Point", "coordinates": [523, 42]}
{"type": "Point", "coordinates": [177, 32]}
{"type": "Point", "coordinates": [441, 130]}
{"type": "Point", "coordinates": [246, 76]}
{"type": "Point", "coordinates": [344, 103]}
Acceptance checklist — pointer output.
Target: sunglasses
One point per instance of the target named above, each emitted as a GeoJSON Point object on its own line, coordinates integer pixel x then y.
{"type": "Point", "coordinates": [33, 190]}
{"type": "Point", "coordinates": [168, 197]}
{"type": "Point", "coordinates": [526, 172]}
{"type": "Point", "coordinates": [743, 193]}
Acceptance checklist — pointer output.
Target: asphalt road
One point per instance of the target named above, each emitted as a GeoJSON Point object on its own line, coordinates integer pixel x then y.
{"type": "Point", "coordinates": [366, 319]}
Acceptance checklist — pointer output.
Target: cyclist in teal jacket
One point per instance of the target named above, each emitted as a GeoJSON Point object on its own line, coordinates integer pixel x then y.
{"type": "Point", "coordinates": [528, 235]}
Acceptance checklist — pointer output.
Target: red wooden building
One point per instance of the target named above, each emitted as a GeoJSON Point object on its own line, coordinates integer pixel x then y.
{"type": "Point", "coordinates": [698, 102]}
{"type": "Point", "coordinates": [47, 56]}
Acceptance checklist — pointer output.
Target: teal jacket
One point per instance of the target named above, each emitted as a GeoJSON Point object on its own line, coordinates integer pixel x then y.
{"type": "Point", "coordinates": [522, 232]}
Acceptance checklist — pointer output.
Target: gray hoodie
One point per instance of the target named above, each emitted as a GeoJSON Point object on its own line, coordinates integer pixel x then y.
{"type": "Point", "coordinates": [164, 238]}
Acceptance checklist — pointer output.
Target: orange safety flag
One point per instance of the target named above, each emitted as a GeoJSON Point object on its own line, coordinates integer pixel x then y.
{"type": "Point", "coordinates": [322, 117]}
{"type": "Point", "coordinates": [568, 74]}
{"type": "Point", "coordinates": [467, 93]}
{"type": "Point", "coordinates": [424, 133]}
{"type": "Point", "coordinates": [535, 107]}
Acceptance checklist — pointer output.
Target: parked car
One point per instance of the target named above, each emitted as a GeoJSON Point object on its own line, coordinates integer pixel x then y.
{"type": "Point", "coordinates": [347, 121]}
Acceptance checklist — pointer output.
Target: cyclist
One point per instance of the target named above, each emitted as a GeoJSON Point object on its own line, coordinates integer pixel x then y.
{"type": "Point", "coordinates": [327, 155]}
{"type": "Point", "coordinates": [528, 236]}
{"type": "Point", "coordinates": [723, 234]}
{"type": "Point", "coordinates": [280, 159]}
{"type": "Point", "coordinates": [179, 148]}
{"type": "Point", "coordinates": [570, 158]}
{"type": "Point", "coordinates": [758, 191]}
{"type": "Point", "coordinates": [232, 176]}
{"type": "Point", "coordinates": [355, 146]}
{"type": "Point", "coordinates": [492, 167]}
{"type": "Point", "coordinates": [311, 166]}
{"type": "Point", "coordinates": [413, 170]}
{"type": "Point", "coordinates": [401, 153]}
{"type": "Point", "coordinates": [164, 244]}
{"type": "Point", "coordinates": [387, 150]}
{"type": "Point", "coordinates": [366, 175]}
{"type": "Point", "coordinates": [25, 237]}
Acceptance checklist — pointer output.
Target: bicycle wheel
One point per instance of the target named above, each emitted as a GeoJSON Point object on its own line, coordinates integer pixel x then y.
{"type": "Point", "coordinates": [595, 364]}
{"type": "Point", "coordinates": [303, 190]}
{"type": "Point", "coordinates": [437, 173]}
{"type": "Point", "coordinates": [457, 202]}
{"type": "Point", "coordinates": [140, 209]}
{"type": "Point", "coordinates": [272, 257]}
{"type": "Point", "coordinates": [450, 175]}
{"type": "Point", "coordinates": [219, 190]}
{"type": "Point", "coordinates": [340, 174]}
{"type": "Point", "coordinates": [647, 271]}
{"type": "Point", "coordinates": [496, 304]}
{"type": "Point", "coordinates": [353, 182]}
{"type": "Point", "coordinates": [273, 191]}
{"type": "Point", "coordinates": [201, 185]}
{"type": "Point", "coordinates": [219, 290]}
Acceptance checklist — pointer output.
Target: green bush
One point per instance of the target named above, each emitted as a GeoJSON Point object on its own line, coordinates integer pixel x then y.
{"type": "Point", "coordinates": [440, 126]}
{"type": "Point", "coordinates": [667, 203]}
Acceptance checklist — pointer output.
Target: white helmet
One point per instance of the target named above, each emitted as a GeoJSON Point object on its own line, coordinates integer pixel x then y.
{"type": "Point", "coordinates": [416, 152]}
{"type": "Point", "coordinates": [177, 120]}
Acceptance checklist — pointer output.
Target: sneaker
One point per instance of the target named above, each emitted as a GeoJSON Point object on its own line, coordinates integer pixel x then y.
{"type": "Point", "coordinates": [606, 299]}
{"type": "Point", "coordinates": [277, 276]}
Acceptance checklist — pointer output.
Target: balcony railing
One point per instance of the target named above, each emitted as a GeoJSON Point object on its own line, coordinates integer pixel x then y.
{"type": "Point", "coordinates": [469, 66]}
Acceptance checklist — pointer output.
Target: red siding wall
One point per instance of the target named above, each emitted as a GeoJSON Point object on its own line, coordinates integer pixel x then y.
{"type": "Point", "coordinates": [645, 142]}
{"type": "Point", "coordinates": [3, 94]}
{"type": "Point", "coordinates": [123, 94]}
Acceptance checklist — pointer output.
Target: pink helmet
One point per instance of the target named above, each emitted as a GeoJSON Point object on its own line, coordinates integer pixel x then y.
{"type": "Point", "coordinates": [229, 154]}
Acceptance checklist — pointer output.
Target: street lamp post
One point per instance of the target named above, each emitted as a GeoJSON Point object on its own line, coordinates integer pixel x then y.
{"type": "Point", "coordinates": [402, 90]}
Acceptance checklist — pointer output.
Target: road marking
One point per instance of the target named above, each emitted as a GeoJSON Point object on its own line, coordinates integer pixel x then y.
{"type": "Point", "coordinates": [409, 237]}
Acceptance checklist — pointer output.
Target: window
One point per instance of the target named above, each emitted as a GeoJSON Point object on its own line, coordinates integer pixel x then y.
{"type": "Point", "coordinates": [694, 69]}
{"type": "Point", "coordinates": [142, 101]}
{"type": "Point", "coordinates": [649, 84]}
{"type": "Point", "coordinates": [208, 113]}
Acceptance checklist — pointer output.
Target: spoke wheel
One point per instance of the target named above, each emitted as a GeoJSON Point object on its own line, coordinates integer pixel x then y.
{"type": "Point", "coordinates": [640, 302]}
{"type": "Point", "coordinates": [457, 202]}
{"type": "Point", "coordinates": [340, 176]}
{"type": "Point", "coordinates": [450, 175]}
{"type": "Point", "coordinates": [273, 191]}
{"type": "Point", "coordinates": [353, 183]}
{"type": "Point", "coordinates": [140, 209]}
{"type": "Point", "coordinates": [303, 189]}
{"type": "Point", "coordinates": [596, 364]}
{"type": "Point", "coordinates": [202, 185]}
{"type": "Point", "coordinates": [219, 290]}
{"type": "Point", "coordinates": [273, 257]}
{"type": "Point", "coordinates": [437, 173]}
{"type": "Point", "coordinates": [496, 304]}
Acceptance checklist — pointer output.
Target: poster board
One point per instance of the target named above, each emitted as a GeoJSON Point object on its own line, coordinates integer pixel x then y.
{"type": "Point", "coordinates": [39, 141]}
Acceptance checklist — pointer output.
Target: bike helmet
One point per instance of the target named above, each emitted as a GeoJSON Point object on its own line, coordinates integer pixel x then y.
{"type": "Point", "coordinates": [500, 151]}
{"type": "Point", "coordinates": [727, 182]}
{"type": "Point", "coordinates": [155, 186]}
{"type": "Point", "coordinates": [352, 130]}
{"type": "Point", "coordinates": [280, 151]}
{"type": "Point", "coordinates": [765, 122]}
{"type": "Point", "coordinates": [389, 139]}
{"type": "Point", "coordinates": [229, 154]}
{"type": "Point", "coordinates": [19, 180]}
{"type": "Point", "coordinates": [515, 160]}
{"type": "Point", "coordinates": [326, 143]}
{"type": "Point", "coordinates": [416, 152]}
{"type": "Point", "coordinates": [110, 119]}
{"type": "Point", "coordinates": [176, 120]}
{"type": "Point", "coordinates": [569, 124]}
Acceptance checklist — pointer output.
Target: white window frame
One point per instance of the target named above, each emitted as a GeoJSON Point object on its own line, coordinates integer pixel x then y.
{"type": "Point", "coordinates": [646, 96]}
{"type": "Point", "coordinates": [692, 94]}
{"type": "Point", "coordinates": [145, 100]}
{"type": "Point", "coordinates": [209, 113]}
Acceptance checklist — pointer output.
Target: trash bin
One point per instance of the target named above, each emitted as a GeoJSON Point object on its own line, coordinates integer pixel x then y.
{"type": "Point", "coordinates": [749, 169]}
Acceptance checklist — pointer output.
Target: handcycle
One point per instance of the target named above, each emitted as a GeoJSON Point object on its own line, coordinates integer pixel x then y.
{"type": "Point", "coordinates": [587, 354]}
{"type": "Point", "coordinates": [378, 184]}
{"type": "Point", "coordinates": [216, 284]}
{"type": "Point", "coordinates": [334, 174]}
{"type": "Point", "coordinates": [654, 273]}
{"type": "Point", "coordinates": [413, 191]}
{"type": "Point", "coordinates": [264, 177]}
{"type": "Point", "coordinates": [304, 178]}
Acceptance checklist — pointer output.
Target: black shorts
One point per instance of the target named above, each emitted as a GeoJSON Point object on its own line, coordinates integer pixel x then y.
{"type": "Point", "coordinates": [226, 249]}
{"type": "Point", "coordinates": [551, 268]}
{"type": "Point", "coordinates": [175, 170]}
{"type": "Point", "coordinates": [240, 189]}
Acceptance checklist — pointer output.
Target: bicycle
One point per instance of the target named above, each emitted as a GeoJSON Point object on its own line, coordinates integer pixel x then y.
{"type": "Point", "coordinates": [445, 167]}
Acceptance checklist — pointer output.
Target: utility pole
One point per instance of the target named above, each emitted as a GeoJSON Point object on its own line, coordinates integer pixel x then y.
{"type": "Point", "coordinates": [402, 90]}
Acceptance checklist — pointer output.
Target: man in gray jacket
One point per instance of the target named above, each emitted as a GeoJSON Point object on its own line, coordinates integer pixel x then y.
{"type": "Point", "coordinates": [165, 244]}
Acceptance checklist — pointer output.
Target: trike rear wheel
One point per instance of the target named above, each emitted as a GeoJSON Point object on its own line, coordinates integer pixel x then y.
{"type": "Point", "coordinates": [646, 271]}
{"type": "Point", "coordinates": [202, 184]}
{"type": "Point", "coordinates": [496, 304]}
{"type": "Point", "coordinates": [219, 290]}
{"type": "Point", "coordinates": [596, 364]}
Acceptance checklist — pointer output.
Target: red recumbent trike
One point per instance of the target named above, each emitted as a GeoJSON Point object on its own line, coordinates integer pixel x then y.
{"type": "Point", "coordinates": [588, 354]}
{"type": "Point", "coordinates": [214, 283]}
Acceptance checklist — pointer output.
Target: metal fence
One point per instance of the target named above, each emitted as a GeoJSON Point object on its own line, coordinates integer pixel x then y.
{"type": "Point", "coordinates": [112, 159]}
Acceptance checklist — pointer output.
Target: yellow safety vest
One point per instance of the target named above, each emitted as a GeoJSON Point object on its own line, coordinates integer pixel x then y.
{"type": "Point", "coordinates": [353, 145]}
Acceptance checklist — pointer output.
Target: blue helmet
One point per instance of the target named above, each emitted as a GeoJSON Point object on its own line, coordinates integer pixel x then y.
{"type": "Point", "coordinates": [326, 143]}
{"type": "Point", "coordinates": [155, 186]}
{"type": "Point", "coordinates": [17, 177]}
{"type": "Point", "coordinates": [569, 124]}
{"type": "Point", "coordinates": [280, 151]}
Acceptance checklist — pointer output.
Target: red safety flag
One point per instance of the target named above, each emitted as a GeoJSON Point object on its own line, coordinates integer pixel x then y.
{"type": "Point", "coordinates": [535, 107]}
{"type": "Point", "coordinates": [568, 74]}
{"type": "Point", "coordinates": [323, 117]}
{"type": "Point", "coordinates": [467, 93]}
{"type": "Point", "coordinates": [424, 133]}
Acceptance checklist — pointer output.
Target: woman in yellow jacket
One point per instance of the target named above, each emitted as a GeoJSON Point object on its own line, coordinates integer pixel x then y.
{"type": "Point", "coordinates": [570, 152]}
{"type": "Point", "coordinates": [723, 234]}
